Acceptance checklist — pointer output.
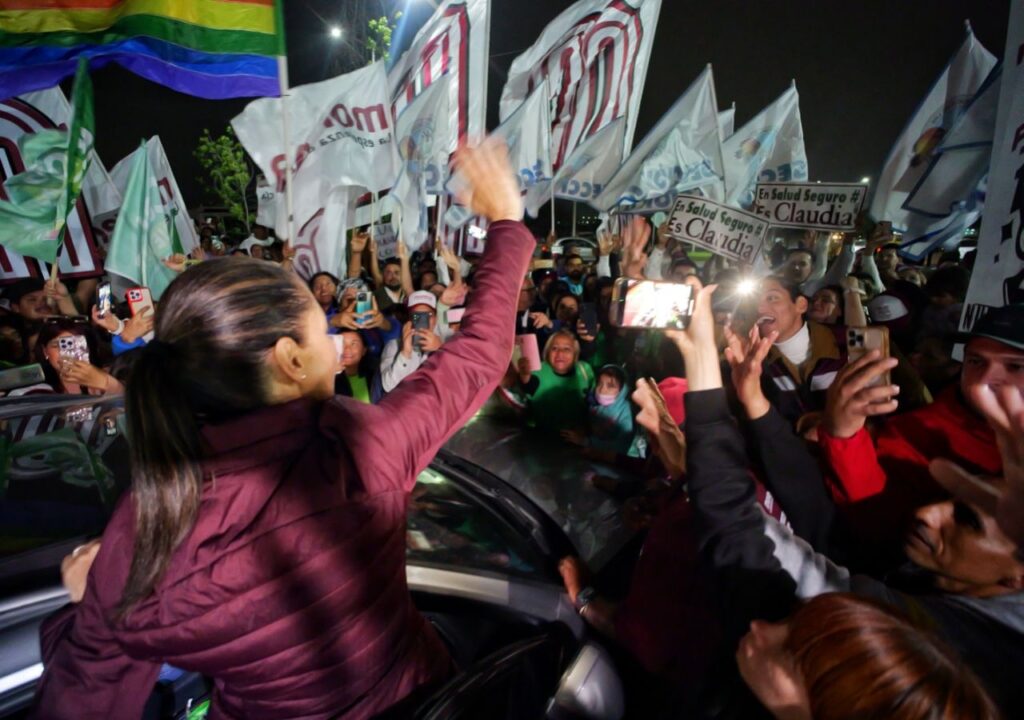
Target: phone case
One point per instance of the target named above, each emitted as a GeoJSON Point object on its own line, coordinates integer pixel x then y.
{"type": "Point", "coordinates": [862, 340]}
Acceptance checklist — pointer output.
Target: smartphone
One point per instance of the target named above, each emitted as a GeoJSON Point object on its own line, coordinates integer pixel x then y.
{"type": "Point", "coordinates": [73, 347]}
{"type": "Point", "coordinates": [103, 300]}
{"type": "Point", "coordinates": [420, 321]}
{"type": "Point", "coordinates": [21, 377]}
{"type": "Point", "coordinates": [862, 340]}
{"type": "Point", "coordinates": [650, 304]}
{"type": "Point", "coordinates": [526, 347]}
{"type": "Point", "coordinates": [364, 302]}
{"type": "Point", "coordinates": [339, 346]}
{"type": "Point", "coordinates": [139, 300]}
{"type": "Point", "coordinates": [588, 314]}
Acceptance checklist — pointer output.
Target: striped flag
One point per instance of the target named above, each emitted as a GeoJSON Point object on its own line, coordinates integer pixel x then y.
{"type": "Point", "coordinates": [454, 41]}
{"type": "Point", "coordinates": [594, 57]}
{"type": "Point", "coordinates": [209, 48]}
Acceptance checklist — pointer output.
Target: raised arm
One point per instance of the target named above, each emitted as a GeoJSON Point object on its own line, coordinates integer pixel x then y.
{"type": "Point", "coordinates": [403, 259]}
{"type": "Point", "coordinates": [391, 442]}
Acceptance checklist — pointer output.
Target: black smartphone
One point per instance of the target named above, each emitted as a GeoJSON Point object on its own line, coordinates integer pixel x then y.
{"type": "Point", "coordinates": [420, 321]}
{"type": "Point", "coordinates": [588, 314]}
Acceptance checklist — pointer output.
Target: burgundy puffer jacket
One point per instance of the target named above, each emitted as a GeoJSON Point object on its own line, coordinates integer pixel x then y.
{"type": "Point", "coordinates": [290, 591]}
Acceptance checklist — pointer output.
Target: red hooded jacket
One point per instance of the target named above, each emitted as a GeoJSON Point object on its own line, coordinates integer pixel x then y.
{"type": "Point", "coordinates": [290, 590]}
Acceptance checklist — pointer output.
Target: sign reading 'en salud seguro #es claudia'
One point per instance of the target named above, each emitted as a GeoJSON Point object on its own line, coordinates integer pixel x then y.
{"type": "Point", "coordinates": [727, 231]}
{"type": "Point", "coordinates": [811, 206]}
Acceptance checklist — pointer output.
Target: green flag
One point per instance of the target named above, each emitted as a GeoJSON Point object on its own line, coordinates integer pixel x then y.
{"type": "Point", "coordinates": [33, 218]}
{"type": "Point", "coordinates": [142, 239]}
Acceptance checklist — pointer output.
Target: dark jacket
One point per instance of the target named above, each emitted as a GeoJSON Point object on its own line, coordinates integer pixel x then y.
{"type": "Point", "coordinates": [796, 391]}
{"type": "Point", "coordinates": [764, 569]}
{"type": "Point", "coordinates": [290, 591]}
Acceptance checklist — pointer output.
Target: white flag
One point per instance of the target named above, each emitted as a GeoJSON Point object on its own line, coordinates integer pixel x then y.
{"type": "Point", "coordinates": [998, 276]}
{"type": "Point", "coordinates": [527, 132]}
{"type": "Point", "coordinates": [422, 132]}
{"type": "Point", "coordinates": [341, 135]}
{"type": "Point", "coordinates": [682, 152]}
{"type": "Point", "coordinates": [320, 241]}
{"type": "Point", "coordinates": [942, 106]}
{"type": "Point", "coordinates": [92, 220]}
{"type": "Point", "coordinates": [594, 57]}
{"type": "Point", "coordinates": [266, 199]}
{"type": "Point", "coordinates": [727, 122]}
{"type": "Point", "coordinates": [592, 164]}
{"type": "Point", "coordinates": [453, 42]}
{"type": "Point", "coordinates": [769, 148]}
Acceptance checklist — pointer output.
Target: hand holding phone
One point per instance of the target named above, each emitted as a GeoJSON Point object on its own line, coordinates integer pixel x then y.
{"type": "Point", "coordinates": [103, 300]}
{"type": "Point", "coordinates": [652, 305]}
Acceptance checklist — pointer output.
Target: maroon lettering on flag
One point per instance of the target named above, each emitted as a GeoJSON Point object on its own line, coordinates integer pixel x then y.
{"type": "Point", "coordinates": [446, 51]}
{"type": "Point", "coordinates": [79, 257]}
{"type": "Point", "coordinates": [592, 74]}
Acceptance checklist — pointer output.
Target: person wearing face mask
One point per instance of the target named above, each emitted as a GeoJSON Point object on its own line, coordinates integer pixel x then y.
{"type": "Point", "coordinates": [262, 543]}
{"type": "Point", "coordinates": [965, 579]}
{"type": "Point", "coordinates": [558, 391]}
{"type": "Point", "coordinates": [611, 414]}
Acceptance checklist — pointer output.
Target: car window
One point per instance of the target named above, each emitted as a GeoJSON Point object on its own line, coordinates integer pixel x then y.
{"type": "Point", "coordinates": [450, 527]}
{"type": "Point", "coordinates": [62, 468]}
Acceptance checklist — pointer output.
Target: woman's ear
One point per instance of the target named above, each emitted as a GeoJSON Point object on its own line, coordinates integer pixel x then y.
{"type": "Point", "coordinates": [287, 360]}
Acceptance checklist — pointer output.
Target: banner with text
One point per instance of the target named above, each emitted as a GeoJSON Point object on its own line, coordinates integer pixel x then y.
{"type": "Point", "coordinates": [723, 230]}
{"type": "Point", "coordinates": [810, 206]}
{"type": "Point", "coordinates": [998, 277]}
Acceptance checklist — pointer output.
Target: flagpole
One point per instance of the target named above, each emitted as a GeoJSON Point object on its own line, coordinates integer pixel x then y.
{"type": "Point", "coordinates": [553, 209]}
{"type": "Point", "coordinates": [574, 218]}
{"type": "Point", "coordinates": [282, 79]}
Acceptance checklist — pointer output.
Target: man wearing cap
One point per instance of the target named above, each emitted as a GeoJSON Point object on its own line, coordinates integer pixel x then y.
{"type": "Point", "coordinates": [883, 481]}
{"type": "Point", "coordinates": [402, 357]}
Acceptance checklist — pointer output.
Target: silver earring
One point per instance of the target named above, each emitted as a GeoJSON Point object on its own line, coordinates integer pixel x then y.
{"type": "Point", "coordinates": [303, 377]}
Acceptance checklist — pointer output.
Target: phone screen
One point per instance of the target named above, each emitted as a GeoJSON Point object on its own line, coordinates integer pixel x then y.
{"type": "Point", "coordinates": [648, 304]}
{"type": "Point", "coordinates": [103, 299]}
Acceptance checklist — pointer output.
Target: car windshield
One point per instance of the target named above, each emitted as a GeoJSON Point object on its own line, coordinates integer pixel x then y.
{"type": "Point", "coordinates": [64, 463]}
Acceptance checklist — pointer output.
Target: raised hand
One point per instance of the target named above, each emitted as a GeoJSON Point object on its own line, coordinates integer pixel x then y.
{"type": "Point", "coordinates": [491, 187]}
{"type": "Point", "coordinates": [177, 262]}
{"type": "Point", "coordinates": [654, 417]}
{"type": "Point", "coordinates": [74, 569]}
{"type": "Point", "coordinates": [852, 400]}
{"type": "Point", "coordinates": [635, 235]}
{"type": "Point", "coordinates": [697, 341]}
{"type": "Point", "coordinates": [108, 322]}
{"type": "Point", "coordinates": [746, 359]}
{"type": "Point", "coordinates": [137, 326]}
{"type": "Point", "coordinates": [359, 241]}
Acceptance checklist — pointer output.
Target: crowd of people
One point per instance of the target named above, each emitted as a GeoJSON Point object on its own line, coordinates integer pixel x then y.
{"type": "Point", "coordinates": [825, 534]}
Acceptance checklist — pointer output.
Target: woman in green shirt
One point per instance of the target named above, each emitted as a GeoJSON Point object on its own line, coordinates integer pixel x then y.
{"type": "Point", "coordinates": [356, 379]}
{"type": "Point", "coordinates": [558, 391]}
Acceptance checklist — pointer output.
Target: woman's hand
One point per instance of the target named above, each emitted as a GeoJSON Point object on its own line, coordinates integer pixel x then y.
{"type": "Point", "coordinates": [654, 417]}
{"type": "Point", "coordinates": [74, 569]}
{"type": "Point", "coordinates": [88, 375]}
{"type": "Point", "coordinates": [108, 322]}
{"type": "Point", "coordinates": [359, 242]}
{"type": "Point", "coordinates": [697, 342]}
{"type": "Point", "coordinates": [746, 360]}
{"type": "Point", "coordinates": [454, 294]}
{"type": "Point", "coordinates": [491, 187]}
{"type": "Point", "coordinates": [176, 262]}
{"type": "Point", "coordinates": [137, 326]}
{"type": "Point", "coordinates": [346, 320]}
{"type": "Point", "coordinates": [541, 321]}
{"type": "Point", "coordinates": [582, 334]}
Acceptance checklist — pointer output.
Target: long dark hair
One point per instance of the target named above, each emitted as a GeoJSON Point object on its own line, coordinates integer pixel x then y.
{"type": "Point", "coordinates": [53, 328]}
{"type": "Point", "coordinates": [214, 328]}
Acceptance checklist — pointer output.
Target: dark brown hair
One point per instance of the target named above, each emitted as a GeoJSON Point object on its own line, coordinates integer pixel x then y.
{"type": "Point", "coordinates": [214, 328]}
{"type": "Point", "coordinates": [53, 328]}
{"type": "Point", "coordinates": [860, 659]}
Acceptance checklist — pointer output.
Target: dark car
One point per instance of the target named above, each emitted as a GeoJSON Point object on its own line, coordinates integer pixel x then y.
{"type": "Point", "coordinates": [488, 521]}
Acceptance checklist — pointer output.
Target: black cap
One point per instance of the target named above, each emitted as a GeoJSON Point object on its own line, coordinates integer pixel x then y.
{"type": "Point", "coordinates": [1004, 325]}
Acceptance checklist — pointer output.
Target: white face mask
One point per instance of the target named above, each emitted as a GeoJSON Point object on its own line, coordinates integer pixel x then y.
{"type": "Point", "coordinates": [606, 400]}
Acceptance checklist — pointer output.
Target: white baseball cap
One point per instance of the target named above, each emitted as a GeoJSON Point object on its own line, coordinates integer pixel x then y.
{"type": "Point", "coordinates": [886, 308]}
{"type": "Point", "coordinates": [422, 297]}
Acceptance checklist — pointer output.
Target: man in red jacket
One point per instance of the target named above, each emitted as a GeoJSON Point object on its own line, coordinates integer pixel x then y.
{"type": "Point", "coordinates": [888, 478]}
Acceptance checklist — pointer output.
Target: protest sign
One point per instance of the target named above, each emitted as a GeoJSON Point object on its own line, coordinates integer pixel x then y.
{"type": "Point", "coordinates": [726, 231]}
{"type": "Point", "coordinates": [811, 206]}
{"type": "Point", "coordinates": [998, 277]}
{"type": "Point", "coordinates": [387, 240]}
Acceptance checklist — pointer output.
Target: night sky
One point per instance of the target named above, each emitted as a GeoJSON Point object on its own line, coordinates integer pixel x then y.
{"type": "Point", "coordinates": [861, 69]}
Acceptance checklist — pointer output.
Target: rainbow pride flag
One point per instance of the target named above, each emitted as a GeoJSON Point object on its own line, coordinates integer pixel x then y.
{"type": "Point", "coordinates": [209, 48]}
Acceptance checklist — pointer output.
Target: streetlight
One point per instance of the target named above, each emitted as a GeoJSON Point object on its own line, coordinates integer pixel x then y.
{"type": "Point", "coordinates": [865, 180]}
{"type": "Point", "coordinates": [336, 32]}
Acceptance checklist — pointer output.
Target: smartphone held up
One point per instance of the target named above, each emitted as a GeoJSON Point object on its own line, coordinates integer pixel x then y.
{"type": "Point", "coordinates": [651, 305]}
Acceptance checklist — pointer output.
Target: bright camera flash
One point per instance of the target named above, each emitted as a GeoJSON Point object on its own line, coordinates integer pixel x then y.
{"type": "Point", "coordinates": [747, 286]}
